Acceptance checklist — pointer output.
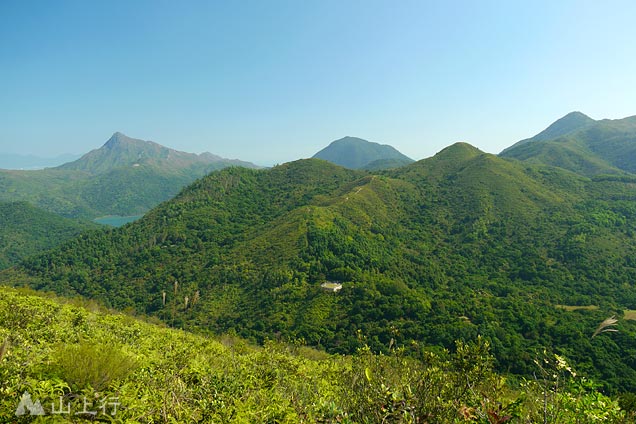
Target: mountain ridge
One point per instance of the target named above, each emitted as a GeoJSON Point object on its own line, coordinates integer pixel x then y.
{"type": "Point", "coordinates": [569, 123]}
{"type": "Point", "coordinates": [125, 176]}
{"type": "Point", "coordinates": [449, 247]}
{"type": "Point", "coordinates": [582, 145]}
{"type": "Point", "coordinates": [121, 150]}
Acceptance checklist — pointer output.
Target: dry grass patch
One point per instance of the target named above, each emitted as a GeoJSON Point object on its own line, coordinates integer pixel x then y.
{"type": "Point", "coordinates": [630, 314]}
{"type": "Point", "coordinates": [571, 308]}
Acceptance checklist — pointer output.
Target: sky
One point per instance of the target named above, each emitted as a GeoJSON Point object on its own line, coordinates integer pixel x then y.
{"type": "Point", "coordinates": [274, 81]}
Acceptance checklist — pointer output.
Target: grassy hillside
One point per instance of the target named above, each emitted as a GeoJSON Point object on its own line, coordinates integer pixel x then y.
{"type": "Point", "coordinates": [452, 247]}
{"type": "Point", "coordinates": [381, 164]}
{"type": "Point", "coordinates": [582, 145]}
{"type": "Point", "coordinates": [27, 230]}
{"type": "Point", "coordinates": [572, 156]}
{"type": "Point", "coordinates": [85, 364]}
{"type": "Point", "coordinates": [570, 123]}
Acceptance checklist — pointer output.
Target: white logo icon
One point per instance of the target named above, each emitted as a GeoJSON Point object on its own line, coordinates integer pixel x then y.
{"type": "Point", "coordinates": [27, 404]}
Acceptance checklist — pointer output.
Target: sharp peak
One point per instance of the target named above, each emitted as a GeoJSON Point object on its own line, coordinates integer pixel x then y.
{"type": "Point", "coordinates": [119, 135]}
{"type": "Point", "coordinates": [119, 138]}
{"type": "Point", "coordinates": [571, 122]}
{"type": "Point", "coordinates": [578, 115]}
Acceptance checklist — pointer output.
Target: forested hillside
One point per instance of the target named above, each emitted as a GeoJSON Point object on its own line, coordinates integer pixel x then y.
{"type": "Point", "coordinates": [82, 364]}
{"type": "Point", "coordinates": [452, 247]}
{"type": "Point", "coordinates": [26, 230]}
{"type": "Point", "coordinates": [125, 177]}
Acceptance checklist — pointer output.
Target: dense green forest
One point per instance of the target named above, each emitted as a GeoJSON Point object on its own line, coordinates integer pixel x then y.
{"type": "Point", "coordinates": [80, 363]}
{"type": "Point", "coordinates": [26, 230]}
{"type": "Point", "coordinates": [461, 245]}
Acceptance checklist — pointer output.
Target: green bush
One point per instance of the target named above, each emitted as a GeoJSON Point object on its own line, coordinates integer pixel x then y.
{"type": "Point", "coordinates": [92, 365]}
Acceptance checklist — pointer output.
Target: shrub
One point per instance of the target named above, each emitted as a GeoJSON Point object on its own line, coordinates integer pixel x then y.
{"type": "Point", "coordinates": [93, 365]}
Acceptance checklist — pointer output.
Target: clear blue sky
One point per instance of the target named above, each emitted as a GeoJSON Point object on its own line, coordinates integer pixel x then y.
{"type": "Point", "coordinates": [272, 81]}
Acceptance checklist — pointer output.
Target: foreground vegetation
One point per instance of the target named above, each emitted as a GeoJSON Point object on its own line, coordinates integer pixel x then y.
{"type": "Point", "coordinates": [76, 360]}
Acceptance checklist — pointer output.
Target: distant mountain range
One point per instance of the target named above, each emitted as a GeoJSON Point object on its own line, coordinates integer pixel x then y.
{"type": "Point", "coordinates": [583, 145]}
{"type": "Point", "coordinates": [125, 176]}
{"type": "Point", "coordinates": [356, 153]}
{"type": "Point", "coordinates": [122, 151]}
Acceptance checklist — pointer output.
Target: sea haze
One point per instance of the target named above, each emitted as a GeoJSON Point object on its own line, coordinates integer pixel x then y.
{"type": "Point", "coordinates": [32, 162]}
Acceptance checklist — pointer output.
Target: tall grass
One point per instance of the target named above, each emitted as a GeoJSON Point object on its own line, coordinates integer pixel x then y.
{"type": "Point", "coordinates": [93, 365]}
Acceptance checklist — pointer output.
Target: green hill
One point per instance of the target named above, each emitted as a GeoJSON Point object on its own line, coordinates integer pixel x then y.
{"type": "Point", "coordinates": [582, 145]}
{"type": "Point", "coordinates": [356, 153]}
{"type": "Point", "coordinates": [455, 246]}
{"type": "Point", "coordinates": [124, 177]}
{"type": "Point", "coordinates": [27, 230]}
{"type": "Point", "coordinates": [83, 364]}
{"type": "Point", "coordinates": [570, 123]}
{"type": "Point", "coordinates": [381, 164]}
